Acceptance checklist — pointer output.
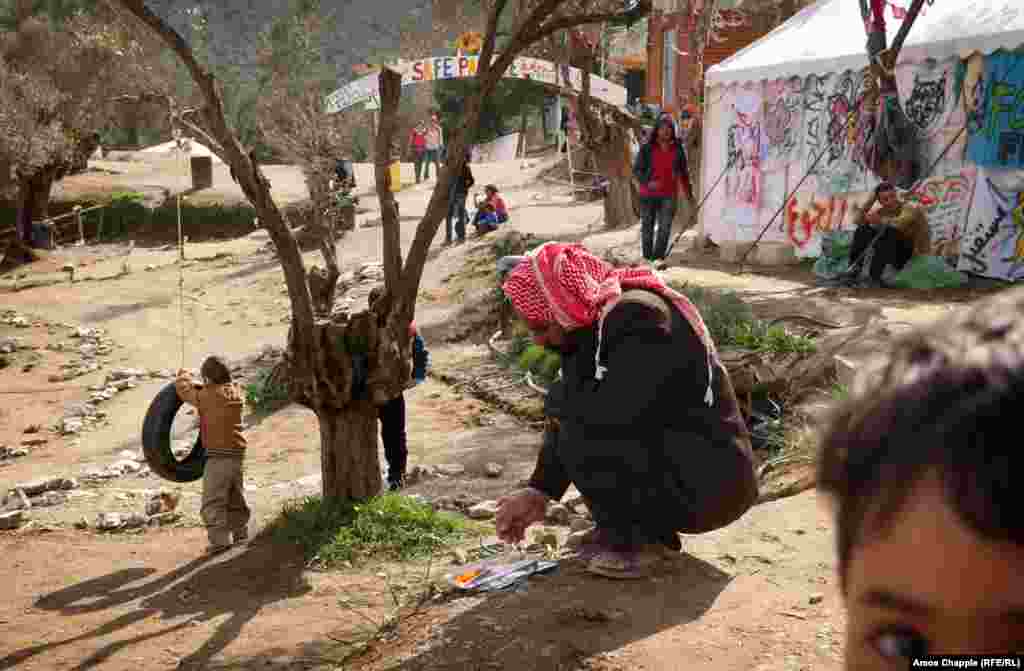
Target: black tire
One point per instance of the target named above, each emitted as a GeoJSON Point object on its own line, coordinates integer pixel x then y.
{"type": "Point", "coordinates": [156, 440]}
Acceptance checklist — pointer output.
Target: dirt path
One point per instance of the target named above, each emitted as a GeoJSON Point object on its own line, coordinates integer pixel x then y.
{"type": "Point", "coordinates": [738, 599]}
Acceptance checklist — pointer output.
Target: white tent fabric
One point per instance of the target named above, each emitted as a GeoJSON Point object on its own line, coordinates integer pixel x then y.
{"type": "Point", "coordinates": [171, 148]}
{"type": "Point", "coordinates": [829, 36]}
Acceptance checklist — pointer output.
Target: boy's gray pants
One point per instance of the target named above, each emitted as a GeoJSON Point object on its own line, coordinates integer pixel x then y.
{"type": "Point", "coordinates": [224, 510]}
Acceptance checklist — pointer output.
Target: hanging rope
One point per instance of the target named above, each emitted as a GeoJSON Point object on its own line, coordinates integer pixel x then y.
{"type": "Point", "coordinates": [181, 272]}
{"type": "Point", "coordinates": [696, 210]}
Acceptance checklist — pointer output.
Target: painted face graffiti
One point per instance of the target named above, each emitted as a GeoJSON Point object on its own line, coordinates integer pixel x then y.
{"type": "Point", "coordinates": [927, 101]}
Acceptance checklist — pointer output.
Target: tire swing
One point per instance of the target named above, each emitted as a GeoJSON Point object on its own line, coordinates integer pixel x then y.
{"type": "Point", "coordinates": [156, 440]}
{"type": "Point", "coordinates": [156, 427]}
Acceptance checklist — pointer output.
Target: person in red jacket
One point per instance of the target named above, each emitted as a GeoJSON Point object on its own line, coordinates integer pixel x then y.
{"type": "Point", "coordinates": [661, 169]}
{"type": "Point", "coordinates": [418, 144]}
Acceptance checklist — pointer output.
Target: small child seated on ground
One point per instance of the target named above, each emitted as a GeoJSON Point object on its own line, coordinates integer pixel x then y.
{"type": "Point", "coordinates": [921, 464]}
{"type": "Point", "coordinates": [486, 219]}
{"type": "Point", "coordinates": [220, 404]}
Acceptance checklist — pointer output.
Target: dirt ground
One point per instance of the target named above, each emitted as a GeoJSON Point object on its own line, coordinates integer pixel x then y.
{"type": "Point", "coordinates": [758, 594]}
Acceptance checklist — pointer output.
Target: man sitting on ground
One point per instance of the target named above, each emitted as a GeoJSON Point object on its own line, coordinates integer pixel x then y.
{"type": "Point", "coordinates": [899, 231]}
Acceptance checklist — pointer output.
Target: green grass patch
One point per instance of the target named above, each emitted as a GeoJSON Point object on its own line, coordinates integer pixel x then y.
{"type": "Point", "coordinates": [264, 394]}
{"type": "Point", "coordinates": [390, 526]}
{"type": "Point", "coordinates": [732, 323]}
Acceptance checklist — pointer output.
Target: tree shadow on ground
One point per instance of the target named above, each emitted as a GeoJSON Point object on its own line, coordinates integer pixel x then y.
{"type": "Point", "coordinates": [238, 584]}
{"type": "Point", "coordinates": [558, 621]}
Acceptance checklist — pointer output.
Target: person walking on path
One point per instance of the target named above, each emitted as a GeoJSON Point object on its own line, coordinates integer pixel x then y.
{"type": "Point", "coordinates": [433, 144]}
{"type": "Point", "coordinates": [220, 404]}
{"type": "Point", "coordinates": [644, 421]}
{"type": "Point", "coordinates": [661, 169]}
{"type": "Point", "coordinates": [457, 213]}
{"type": "Point", "coordinates": [418, 145]}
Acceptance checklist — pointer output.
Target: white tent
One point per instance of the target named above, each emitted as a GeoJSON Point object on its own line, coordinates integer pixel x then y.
{"type": "Point", "coordinates": [787, 111]}
{"type": "Point", "coordinates": [171, 148]}
{"type": "Point", "coordinates": [829, 36]}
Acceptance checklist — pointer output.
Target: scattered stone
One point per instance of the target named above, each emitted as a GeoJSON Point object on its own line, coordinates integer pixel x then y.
{"type": "Point", "coordinates": [50, 499]}
{"type": "Point", "coordinates": [34, 442]}
{"type": "Point", "coordinates": [149, 268]}
{"type": "Point", "coordinates": [163, 519]}
{"type": "Point", "coordinates": [37, 487]}
{"type": "Point", "coordinates": [450, 470]}
{"type": "Point", "coordinates": [85, 332]}
{"type": "Point", "coordinates": [557, 514]}
{"type": "Point", "coordinates": [82, 523]}
{"type": "Point", "coordinates": [124, 374]}
{"type": "Point", "coordinates": [67, 484]}
{"type": "Point", "coordinates": [578, 523]}
{"type": "Point", "coordinates": [816, 598]}
{"type": "Point", "coordinates": [134, 520]}
{"type": "Point", "coordinates": [8, 345]}
{"type": "Point", "coordinates": [419, 473]}
{"type": "Point", "coordinates": [494, 470]}
{"type": "Point", "coordinates": [33, 428]}
{"type": "Point", "coordinates": [13, 452]}
{"type": "Point", "coordinates": [162, 502]}
{"type": "Point", "coordinates": [70, 426]}
{"type": "Point", "coordinates": [12, 520]}
{"type": "Point", "coordinates": [484, 510]}
{"type": "Point", "coordinates": [108, 521]}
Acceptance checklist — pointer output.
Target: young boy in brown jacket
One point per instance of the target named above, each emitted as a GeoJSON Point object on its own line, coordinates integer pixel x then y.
{"type": "Point", "coordinates": [220, 404]}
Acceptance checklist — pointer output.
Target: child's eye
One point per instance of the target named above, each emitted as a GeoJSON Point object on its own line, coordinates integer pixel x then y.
{"type": "Point", "coordinates": [899, 643]}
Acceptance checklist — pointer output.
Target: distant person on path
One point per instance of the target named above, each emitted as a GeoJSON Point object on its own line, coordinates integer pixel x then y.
{"type": "Point", "coordinates": [220, 404]}
{"type": "Point", "coordinates": [392, 414]}
{"type": "Point", "coordinates": [434, 144]}
{"type": "Point", "coordinates": [495, 200]}
{"type": "Point", "coordinates": [901, 230]}
{"type": "Point", "coordinates": [920, 470]}
{"type": "Point", "coordinates": [457, 213]}
{"type": "Point", "coordinates": [644, 421]}
{"type": "Point", "coordinates": [492, 212]}
{"type": "Point", "coordinates": [661, 169]}
{"type": "Point", "coordinates": [418, 146]}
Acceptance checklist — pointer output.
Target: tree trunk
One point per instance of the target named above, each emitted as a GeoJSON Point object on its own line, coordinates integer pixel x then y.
{"type": "Point", "coordinates": [33, 203]}
{"type": "Point", "coordinates": [349, 462]}
{"type": "Point", "coordinates": [614, 160]}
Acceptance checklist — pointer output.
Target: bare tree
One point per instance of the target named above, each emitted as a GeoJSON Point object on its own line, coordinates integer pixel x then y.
{"type": "Point", "coordinates": [326, 353]}
{"type": "Point", "coordinates": [58, 84]}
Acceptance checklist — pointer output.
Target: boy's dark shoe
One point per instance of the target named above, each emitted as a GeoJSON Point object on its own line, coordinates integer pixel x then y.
{"type": "Point", "coordinates": [395, 485]}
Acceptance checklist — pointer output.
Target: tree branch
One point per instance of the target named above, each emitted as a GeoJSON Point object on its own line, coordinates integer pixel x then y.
{"type": "Point", "coordinates": [491, 36]}
{"type": "Point", "coordinates": [552, 26]}
{"type": "Point", "coordinates": [250, 178]}
{"type": "Point", "coordinates": [390, 96]}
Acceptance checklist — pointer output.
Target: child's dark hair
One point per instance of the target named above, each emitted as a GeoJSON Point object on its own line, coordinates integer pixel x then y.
{"type": "Point", "coordinates": [215, 371]}
{"type": "Point", "coordinates": [945, 404]}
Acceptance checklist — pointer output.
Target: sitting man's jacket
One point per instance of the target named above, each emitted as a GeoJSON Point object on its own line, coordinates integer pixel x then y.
{"type": "Point", "coordinates": [911, 223]}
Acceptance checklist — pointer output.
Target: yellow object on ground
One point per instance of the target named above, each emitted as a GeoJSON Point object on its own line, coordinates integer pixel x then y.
{"type": "Point", "coordinates": [395, 175]}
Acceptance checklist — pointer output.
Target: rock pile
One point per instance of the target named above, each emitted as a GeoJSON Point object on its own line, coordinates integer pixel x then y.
{"type": "Point", "coordinates": [12, 318]}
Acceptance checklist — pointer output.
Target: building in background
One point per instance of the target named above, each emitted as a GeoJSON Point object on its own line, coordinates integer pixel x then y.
{"type": "Point", "coordinates": [675, 75]}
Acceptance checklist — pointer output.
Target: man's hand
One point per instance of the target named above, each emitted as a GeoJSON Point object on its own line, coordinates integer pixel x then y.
{"type": "Point", "coordinates": [517, 511]}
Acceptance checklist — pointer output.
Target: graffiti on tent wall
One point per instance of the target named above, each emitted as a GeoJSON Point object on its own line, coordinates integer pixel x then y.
{"type": "Point", "coordinates": [783, 114]}
{"type": "Point", "coordinates": [745, 151]}
{"type": "Point", "coordinates": [817, 216]}
{"type": "Point", "coordinates": [997, 138]}
{"type": "Point", "coordinates": [946, 201]}
{"type": "Point", "coordinates": [994, 244]}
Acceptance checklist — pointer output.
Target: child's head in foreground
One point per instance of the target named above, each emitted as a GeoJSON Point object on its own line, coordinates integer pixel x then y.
{"type": "Point", "coordinates": [925, 469]}
{"type": "Point", "coordinates": [215, 371]}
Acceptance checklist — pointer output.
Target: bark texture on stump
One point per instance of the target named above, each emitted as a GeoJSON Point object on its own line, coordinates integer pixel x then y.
{"type": "Point", "coordinates": [614, 160]}
{"type": "Point", "coordinates": [349, 468]}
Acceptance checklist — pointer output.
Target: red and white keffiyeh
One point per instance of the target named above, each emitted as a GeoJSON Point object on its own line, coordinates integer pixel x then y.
{"type": "Point", "coordinates": [566, 284]}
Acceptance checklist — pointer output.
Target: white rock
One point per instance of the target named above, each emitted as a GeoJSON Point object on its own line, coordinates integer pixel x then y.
{"type": "Point", "coordinates": [128, 454]}
{"type": "Point", "coordinates": [484, 510]}
{"type": "Point", "coordinates": [8, 345]}
{"type": "Point", "coordinates": [450, 469]}
{"type": "Point", "coordinates": [84, 332]}
{"type": "Point", "coordinates": [127, 465]}
{"type": "Point", "coordinates": [108, 521]}
{"type": "Point", "coordinates": [69, 426]}
{"type": "Point", "coordinates": [125, 373]}
{"type": "Point", "coordinates": [494, 470]}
